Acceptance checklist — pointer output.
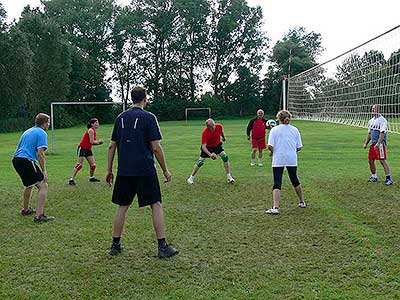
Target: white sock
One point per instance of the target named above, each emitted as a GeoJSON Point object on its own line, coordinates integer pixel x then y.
{"type": "Point", "coordinates": [253, 161]}
{"type": "Point", "coordinates": [191, 177]}
{"type": "Point", "coordinates": [228, 175]}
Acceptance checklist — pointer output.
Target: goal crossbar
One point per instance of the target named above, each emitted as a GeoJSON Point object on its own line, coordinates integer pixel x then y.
{"type": "Point", "coordinates": [197, 108]}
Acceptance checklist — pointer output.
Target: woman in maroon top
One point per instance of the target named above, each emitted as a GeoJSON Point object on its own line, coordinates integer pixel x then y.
{"type": "Point", "coordinates": [85, 151]}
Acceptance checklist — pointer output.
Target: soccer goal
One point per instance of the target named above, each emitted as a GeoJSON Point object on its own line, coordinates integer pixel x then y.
{"type": "Point", "coordinates": [343, 89]}
{"type": "Point", "coordinates": [187, 110]}
{"type": "Point", "coordinates": [53, 104]}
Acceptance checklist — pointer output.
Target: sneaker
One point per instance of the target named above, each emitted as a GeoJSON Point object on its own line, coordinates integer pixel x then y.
{"type": "Point", "coordinates": [231, 180]}
{"type": "Point", "coordinates": [71, 182]}
{"type": "Point", "coordinates": [302, 204]}
{"type": "Point", "coordinates": [273, 211]}
{"type": "Point", "coordinates": [252, 163]}
{"type": "Point", "coordinates": [190, 180]}
{"type": "Point", "coordinates": [115, 249]}
{"type": "Point", "coordinates": [43, 218]}
{"type": "Point", "coordinates": [94, 179]}
{"type": "Point", "coordinates": [167, 251]}
{"type": "Point", "coordinates": [388, 182]}
{"type": "Point", "coordinates": [28, 211]}
{"type": "Point", "coordinates": [373, 179]}
{"type": "Point", "coordinates": [260, 164]}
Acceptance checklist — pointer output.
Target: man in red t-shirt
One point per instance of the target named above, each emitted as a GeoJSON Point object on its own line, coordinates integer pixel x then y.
{"type": "Point", "coordinates": [257, 128]}
{"type": "Point", "coordinates": [211, 146]}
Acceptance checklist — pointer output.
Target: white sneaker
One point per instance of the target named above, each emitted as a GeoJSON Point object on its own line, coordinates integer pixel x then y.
{"type": "Point", "coordinates": [231, 180]}
{"type": "Point", "coordinates": [273, 211]}
{"type": "Point", "coordinates": [190, 180]}
{"type": "Point", "coordinates": [302, 204]}
{"type": "Point", "coordinates": [260, 164]}
{"type": "Point", "coordinates": [252, 163]}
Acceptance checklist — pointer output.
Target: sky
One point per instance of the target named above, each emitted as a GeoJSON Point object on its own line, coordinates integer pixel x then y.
{"type": "Point", "coordinates": [343, 24]}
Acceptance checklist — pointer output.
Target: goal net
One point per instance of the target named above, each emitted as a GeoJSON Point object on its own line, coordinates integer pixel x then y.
{"type": "Point", "coordinates": [343, 89]}
{"type": "Point", "coordinates": [205, 111]}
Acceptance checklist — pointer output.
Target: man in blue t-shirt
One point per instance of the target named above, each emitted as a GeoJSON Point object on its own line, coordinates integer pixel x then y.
{"type": "Point", "coordinates": [30, 149]}
{"type": "Point", "coordinates": [136, 137]}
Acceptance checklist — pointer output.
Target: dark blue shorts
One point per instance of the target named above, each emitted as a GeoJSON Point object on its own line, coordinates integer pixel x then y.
{"type": "Point", "coordinates": [147, 189]}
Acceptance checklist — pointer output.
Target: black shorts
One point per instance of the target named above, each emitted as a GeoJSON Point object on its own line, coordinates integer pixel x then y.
{"type": "Point", "coordinates": [82, 152]}
{"type": "Point", "coordinates": [217, 150]}
{"type": "Point", "coordinates": [147, 188]}
{"type": "Point", "coordinates": [29, 172]}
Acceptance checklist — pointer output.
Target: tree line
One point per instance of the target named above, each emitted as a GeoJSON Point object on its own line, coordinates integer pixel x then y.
{"type": "Point", "coordinates": [188, 53]}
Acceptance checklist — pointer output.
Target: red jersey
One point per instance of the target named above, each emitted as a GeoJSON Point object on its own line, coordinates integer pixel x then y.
{"type": "Point", "coordinates": [212, 138]}
{"type": "Point", "coordinates": [85, 142]}
{"type": "Point", "coordinates": [258, 130]}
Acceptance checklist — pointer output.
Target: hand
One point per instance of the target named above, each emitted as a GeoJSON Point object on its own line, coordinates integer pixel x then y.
{"type": "Point", "coordinates": [167, 175]}
{"type": "Point", "coordinates": [365, 146]}
{"type": "Point", "coordinates": [223, 139]}
{"type": "Point", "coordinates": [248, 138]}
{"type": "Point", "coordinates": [101, 142]}
{"type": "Point", "coordinates": [376, 147]}
{"type": "Point", "coordinates": [213, 156]}
{"type": "Point", "coordinates": [110, 178]}
{"type": "Point", "coordinates": [269, 152]}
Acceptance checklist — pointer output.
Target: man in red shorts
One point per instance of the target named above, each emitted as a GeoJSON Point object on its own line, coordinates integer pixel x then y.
{"type": "Point", "coordinates": [211, 146]}
{"type": "Point", "coordinates": [256, 128]}
{"type": "Point", "coordinates": [377, 128]}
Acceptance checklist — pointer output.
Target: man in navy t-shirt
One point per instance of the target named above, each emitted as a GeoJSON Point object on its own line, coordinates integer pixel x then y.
{"type": "Point", "coordinates": [136, 137]}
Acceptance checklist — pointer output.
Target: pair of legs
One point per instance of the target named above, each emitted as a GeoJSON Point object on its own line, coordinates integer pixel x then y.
{"type": "Point", "coordinates": [253, 155]}
{"type": "Point", "coordinates": [278, 174]}
{"type": "Point", "coordinates": [79, 165]}
{"type": "Point", "coordinates": [157, 216]}
{"type": "Point", "coordinates": [42, 193]}
{"type": "Point", "coordinates": [201, 160]}
{"type": "Point", "coordinates": [384, 164]}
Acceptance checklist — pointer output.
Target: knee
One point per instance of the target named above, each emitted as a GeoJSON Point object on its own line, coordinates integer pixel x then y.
{"type": "Point", "coordinates": [224, 158]}
{"type": "Point", "coordinates": [200, 163]}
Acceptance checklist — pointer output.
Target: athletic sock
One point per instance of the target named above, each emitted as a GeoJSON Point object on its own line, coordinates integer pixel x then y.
{"type": "Point", "coordinates": [162, 243]}
{"type": "Point", "coordinates": [116, 240]}
{"type": "Point", "coordinates": [253, 161]}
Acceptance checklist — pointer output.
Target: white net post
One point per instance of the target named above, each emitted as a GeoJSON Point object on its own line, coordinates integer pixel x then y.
{"type": "Point", "coordinates": [343, 89]}
{"type": "Point", "coordinates": [52, 105]}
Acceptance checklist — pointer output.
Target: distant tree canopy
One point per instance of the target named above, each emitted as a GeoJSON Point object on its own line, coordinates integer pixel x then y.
{"type": "Point", "coordinates": [188, 53]}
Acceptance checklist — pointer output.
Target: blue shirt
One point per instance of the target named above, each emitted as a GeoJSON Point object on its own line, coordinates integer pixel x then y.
{"type": "Point", "coordinates": [133, 132]}
{"type": "Point", "coordinates": [31, 140]}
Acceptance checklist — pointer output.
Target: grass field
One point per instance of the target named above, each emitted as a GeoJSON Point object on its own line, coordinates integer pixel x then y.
{"type": "Point", "coordinates": [344, 245]}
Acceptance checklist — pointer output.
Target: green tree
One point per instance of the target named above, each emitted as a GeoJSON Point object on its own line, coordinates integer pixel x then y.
{"type": "Point", "coordinates": [296, 52]}
{"type": "Point", "coordinates": [51, 60]}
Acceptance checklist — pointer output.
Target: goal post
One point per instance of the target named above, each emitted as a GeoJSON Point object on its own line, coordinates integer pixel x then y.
{"type": "Point", "coordinates": [53, 104]}
{"type": "Point", "coordinates": [187, 110]}
{"type": "Point", "coordinates": [343, 89]}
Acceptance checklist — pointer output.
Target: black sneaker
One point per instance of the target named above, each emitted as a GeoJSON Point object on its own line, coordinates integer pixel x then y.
{"type": "Point", "coordinates": [43, 218]}
{"type": "Point", "coordinates": [71, 182]}
{"type": "Point", "coordinates": [115, 249]}
{"type": "Point", "coordinates": [94, 179]}
{"type": "Point", "coordinates": [167, 251]}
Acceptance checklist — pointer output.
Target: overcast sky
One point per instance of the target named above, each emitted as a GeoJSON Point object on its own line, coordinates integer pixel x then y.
{"type": "Point", "coordinates": [343, 24]}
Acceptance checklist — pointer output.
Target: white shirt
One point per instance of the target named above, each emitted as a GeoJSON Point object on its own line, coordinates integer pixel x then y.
{"type": "Point", "coordinates": [285, 140]}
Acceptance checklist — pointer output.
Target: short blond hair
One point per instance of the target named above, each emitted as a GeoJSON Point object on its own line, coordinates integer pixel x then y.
{"type": "Point", "coordinates": [41, 118]}
{"type": "Point", "coordinates": [284, 116]}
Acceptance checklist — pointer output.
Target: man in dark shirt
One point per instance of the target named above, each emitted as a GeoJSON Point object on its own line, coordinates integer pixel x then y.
{"type": "Point", "coordinates": [136, 137]}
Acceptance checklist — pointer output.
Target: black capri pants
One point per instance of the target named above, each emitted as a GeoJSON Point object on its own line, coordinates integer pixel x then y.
{"type": "Point", "coordinates": [278, 174]}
